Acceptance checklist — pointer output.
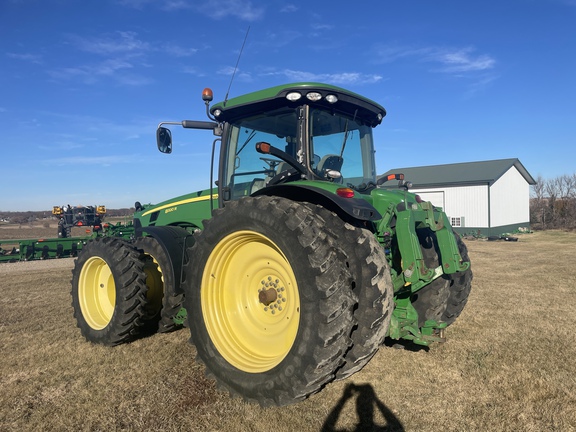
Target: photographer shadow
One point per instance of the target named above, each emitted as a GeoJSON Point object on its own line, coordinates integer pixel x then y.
{"type": "Point", "coordinates": [366, 404]}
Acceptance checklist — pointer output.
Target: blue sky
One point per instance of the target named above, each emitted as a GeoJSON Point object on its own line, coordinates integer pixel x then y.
{"type": "Point", "coordinates": [83, 85]}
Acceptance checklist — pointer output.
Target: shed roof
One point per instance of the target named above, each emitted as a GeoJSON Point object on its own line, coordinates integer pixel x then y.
{"type": "Point", "coordinates": [467, 173]}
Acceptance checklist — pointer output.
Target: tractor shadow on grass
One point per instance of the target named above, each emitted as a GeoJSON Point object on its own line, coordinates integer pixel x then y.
{"type": "Point", "coordinates": [366, 404]}
{"type": "Point", "coordinates": [405, 345]}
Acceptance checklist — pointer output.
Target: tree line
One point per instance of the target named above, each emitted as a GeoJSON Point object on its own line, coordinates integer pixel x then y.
{"type": "Point", "coordinates": [553, 203]}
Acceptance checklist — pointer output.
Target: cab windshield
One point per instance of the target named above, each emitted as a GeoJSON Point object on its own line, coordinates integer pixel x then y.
{"type": "Point", "coordinates": [343, 144]}
{"type": "Point", "coordinates": [331, 147]}
{"type": "Point", "coordinates": [246, 170]}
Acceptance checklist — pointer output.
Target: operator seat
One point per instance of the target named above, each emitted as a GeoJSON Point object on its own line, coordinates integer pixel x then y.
{"type": "Point", "coordinates": [329, 162]}
{"type": "Point", "coordinates": [256, 185]}
{"type": "Point", "coordinates": [282, 166]}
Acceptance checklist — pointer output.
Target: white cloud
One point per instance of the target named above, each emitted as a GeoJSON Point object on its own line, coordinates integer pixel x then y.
{"type": "Point", "coordinates": [92, 73]}
{"type": "Point", "coordinates": [320, 27]}
{"type": "Point", "coordinates": [175, 5]}
{"type": "Point", "coordinates": [462, 60]}
{"type": "Point", "coordinates": [289, 7]}
{"type": "Point", "coordinates": [191, 70]}
{"type": "Point", "coordinates": [178, 51]}
{"type": "Point", "coordinates": [345, 78]}
{"type": "Point", "coordinates": [121, 42]}
{"type": "Point", "coordinates": [280, 39]}
{"type": "Point", "coordinates": [123, 51]}
{"type": "Point", "coordinates": [243, 9]}
{"type": "Point", "coordinates": [392, 53]}
{"type": "Point", "coordinates": [451, 60]}
{"type": "Point", "coordinates": [167, 5]}
{"type": "Point", "coordinates": [227, 70]}
{"type": "Point", "coordinates": [215, 9]}
{"type": "Point", "coordinates": [110, 66]}
{"type": "Point", "coordinates": [462, 63]}
{"type": "Point", "coordinates": [27, 57]}
{"type": "Point", "coordinates": [480, 84]}
{"type": "Point", "coordinates": [239, 75]}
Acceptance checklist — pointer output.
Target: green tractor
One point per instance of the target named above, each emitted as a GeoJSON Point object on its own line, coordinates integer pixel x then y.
{"type": "Point", "coordinates": [295, 267]}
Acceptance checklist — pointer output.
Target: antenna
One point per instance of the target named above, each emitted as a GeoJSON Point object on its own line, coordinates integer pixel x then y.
{"type": "Point", "coordinates": [236, 67]}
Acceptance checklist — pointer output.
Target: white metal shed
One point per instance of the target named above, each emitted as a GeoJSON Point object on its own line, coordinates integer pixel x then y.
{"type": "Point", "coordinates": [487, 197]}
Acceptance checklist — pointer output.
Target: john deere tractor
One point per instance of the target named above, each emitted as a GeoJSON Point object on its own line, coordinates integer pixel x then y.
{"type": "Point", "coordinates": [297, 263]}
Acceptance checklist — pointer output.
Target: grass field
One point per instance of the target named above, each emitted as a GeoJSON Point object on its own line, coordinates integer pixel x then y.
{"type": "Point", "coordinates": [509, 363]}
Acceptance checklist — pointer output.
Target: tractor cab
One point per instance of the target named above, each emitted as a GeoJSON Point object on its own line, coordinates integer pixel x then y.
{"type": "Point", "coordinates": [296, 143]}
{"type": "Point", "coordinates": [303, 131]}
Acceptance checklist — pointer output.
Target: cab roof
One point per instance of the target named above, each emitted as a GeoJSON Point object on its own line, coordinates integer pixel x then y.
{"type": "Point", "coordinates": [275, 97]}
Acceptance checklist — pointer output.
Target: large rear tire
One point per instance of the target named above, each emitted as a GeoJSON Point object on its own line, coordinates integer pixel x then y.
{"type": "Point", "coordinates": [109, 291]}
{"type": "Point", "coordinates": [270, 303]}
{"type": "Point", "coordinates": [367, 263]}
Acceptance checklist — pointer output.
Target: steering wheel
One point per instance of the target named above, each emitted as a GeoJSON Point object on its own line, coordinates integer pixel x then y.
{"type": "Point", "coordinates": [272, 163]}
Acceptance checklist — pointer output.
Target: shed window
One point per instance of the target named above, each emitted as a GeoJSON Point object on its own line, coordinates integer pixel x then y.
{"type": "Point", "coordinates": [456, 221]}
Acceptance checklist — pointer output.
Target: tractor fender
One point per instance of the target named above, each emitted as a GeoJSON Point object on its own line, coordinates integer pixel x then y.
{"type": "Point", "coordinates": [174, 241]}
{"type": "Point", "coordinates": [356, 208]}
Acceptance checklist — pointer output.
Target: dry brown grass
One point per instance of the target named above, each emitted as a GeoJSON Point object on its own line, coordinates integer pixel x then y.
{"type": "Point", "coordinates": [508, 364]}
{"type": "Point", "coordinates": [36, 231]}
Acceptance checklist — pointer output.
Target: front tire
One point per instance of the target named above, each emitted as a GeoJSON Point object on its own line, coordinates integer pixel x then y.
{"type": "Point", "coordinates": [270, 303]}
{"type": "Point", "coordinates": [109, 291]}
{"type": "Point", "coordinates": [444, 298]}
{"type": "Point", "coordinates": [460, 287]}
{"type": "Point", "coordinates": [430, 302]}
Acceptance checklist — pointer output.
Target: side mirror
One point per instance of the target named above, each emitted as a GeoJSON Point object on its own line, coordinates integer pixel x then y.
{"type": "Point", "coordinates": [164, 140]}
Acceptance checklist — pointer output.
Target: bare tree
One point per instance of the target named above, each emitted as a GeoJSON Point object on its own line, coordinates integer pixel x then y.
{"type": "Point", "coordinates": [553, 203]}
{"type": "Point", "coordinates": [538, 203]}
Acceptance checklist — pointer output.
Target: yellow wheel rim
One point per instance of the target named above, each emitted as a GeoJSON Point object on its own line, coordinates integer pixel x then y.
{"type": "Point", "coordinates": [97, 293]}
{"type": "Point", "coordinates": [250, 301]}
{"type": "Point", "coordinates": [154, 282]}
